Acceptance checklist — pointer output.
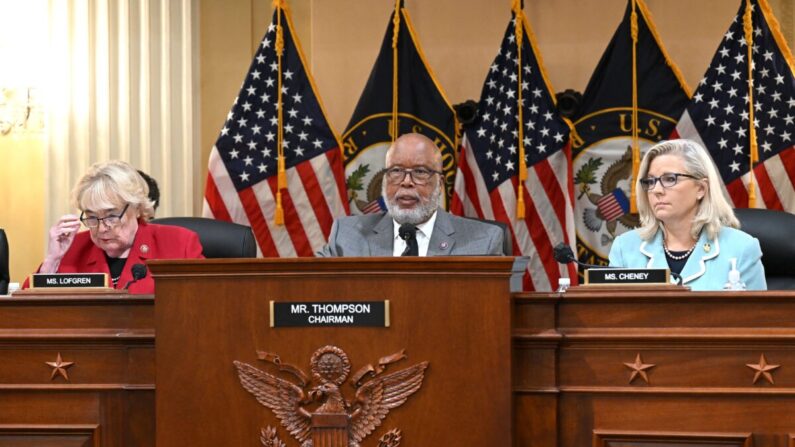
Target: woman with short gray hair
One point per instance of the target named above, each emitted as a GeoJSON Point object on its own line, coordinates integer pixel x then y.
{"type": "Point", "coordinates": [115, 208]}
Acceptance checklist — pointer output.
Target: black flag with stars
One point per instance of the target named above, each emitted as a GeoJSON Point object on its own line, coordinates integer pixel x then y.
{"type": "Point", "coordinates": [602, 141]}
{"type": "Point", "coordinates": [421, 107]}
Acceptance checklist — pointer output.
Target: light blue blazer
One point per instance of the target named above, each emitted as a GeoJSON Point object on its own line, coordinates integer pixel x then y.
{"type": "Point", "coordinates": [708, 266]}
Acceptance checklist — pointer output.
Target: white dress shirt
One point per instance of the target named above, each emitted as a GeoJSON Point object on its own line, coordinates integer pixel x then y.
{"type": "Point", "coordinates": [424, 231]}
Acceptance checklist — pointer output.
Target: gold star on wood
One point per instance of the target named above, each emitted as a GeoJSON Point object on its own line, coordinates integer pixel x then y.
{"type": "Point", "coordinates": [59, 367]}
{"type": "Point", "coordinates": [639, 369]}
{"type": "Point", "coordinates": [762, 369]}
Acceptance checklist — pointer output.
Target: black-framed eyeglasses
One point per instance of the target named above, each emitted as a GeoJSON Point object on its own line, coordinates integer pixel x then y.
{"type": "Point", "coordinates": [419, 175]}
{"type": "Point", "coordinates": [109, 221]}
{"type": "Point", "coordinates": [667, 180]}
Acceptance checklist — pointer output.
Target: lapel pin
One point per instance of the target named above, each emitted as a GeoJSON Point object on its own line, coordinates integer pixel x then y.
{"type": "Point", "coordinates": [144, 248]}
{"type": "Point", "coordinates": [707, 247]}
{"type": "Point", "coordinates": [443, 245]}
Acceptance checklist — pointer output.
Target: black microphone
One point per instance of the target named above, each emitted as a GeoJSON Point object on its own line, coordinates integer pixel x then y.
{"type": "Point", "coordinates": [138, 272]}
{"type": "Point", "coordinates": [564, 255]}
{"type": "Point", "coordinates": [407, 231]}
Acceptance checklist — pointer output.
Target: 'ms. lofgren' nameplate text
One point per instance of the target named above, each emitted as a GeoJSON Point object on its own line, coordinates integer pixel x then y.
{"type": "Point", "coordinates": [328, 313]}
{"type": "Point", "coordinates": [68, 280]}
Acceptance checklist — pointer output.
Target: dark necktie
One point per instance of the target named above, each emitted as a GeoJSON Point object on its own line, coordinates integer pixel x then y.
{"type": "Point", "coordinates": [408, 233]}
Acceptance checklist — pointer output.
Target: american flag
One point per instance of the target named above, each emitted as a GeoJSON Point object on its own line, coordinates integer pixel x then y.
{"type": "Point", "coordinates": [488, 171]}
{"type": "Point", "coordinates": [242, 179]}
{"type": "Point", "coordinates": [613, 205]}
{"type": "Point", "coordinates": [718, 115]}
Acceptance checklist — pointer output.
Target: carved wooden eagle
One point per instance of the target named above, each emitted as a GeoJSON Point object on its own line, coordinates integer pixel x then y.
{"type": "Point", "coordinates": [374, 399]}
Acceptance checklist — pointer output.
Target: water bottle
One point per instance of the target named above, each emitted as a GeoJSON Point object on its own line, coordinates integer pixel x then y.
{"type": "Point", "coordinates": [734, 282]}
{"type": "Point", "coordinates": [13, 287]}
{"type": "Point", "coordinates": [563, 284]}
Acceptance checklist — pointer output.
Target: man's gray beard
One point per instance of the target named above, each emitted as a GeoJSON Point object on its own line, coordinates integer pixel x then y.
{"type": "Point", "coordinates": [417, 215]}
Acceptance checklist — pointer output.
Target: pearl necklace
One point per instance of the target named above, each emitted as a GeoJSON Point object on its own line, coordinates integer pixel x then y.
{"type": "Point", "coordinates": [680, 257]}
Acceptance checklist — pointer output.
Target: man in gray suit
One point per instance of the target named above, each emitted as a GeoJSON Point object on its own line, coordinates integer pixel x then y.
{"type": "Point", "coordinates": [414, 225]}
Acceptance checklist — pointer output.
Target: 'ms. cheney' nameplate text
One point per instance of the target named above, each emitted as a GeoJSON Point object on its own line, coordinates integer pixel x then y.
{"type": "Point", "coordinates": [61, 280]}
{"type": "Point", "coordinates": [622, 276]}
{"type": "Point", "coordinates": [327, 313]}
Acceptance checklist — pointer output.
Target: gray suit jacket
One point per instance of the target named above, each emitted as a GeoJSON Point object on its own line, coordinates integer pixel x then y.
{"type": "Point", "coordinates": [372, 235]}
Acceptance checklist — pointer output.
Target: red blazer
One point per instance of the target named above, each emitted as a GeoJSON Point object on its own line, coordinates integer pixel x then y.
{"type": "Point", "coordinates": [151, 241]}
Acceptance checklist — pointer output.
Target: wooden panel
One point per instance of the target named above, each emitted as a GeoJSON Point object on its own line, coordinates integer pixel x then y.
{"type": "Point", "coordinates": [706, 382]}
{"type": "Point", "coordinates": [696, 367]}
{"type": "Point", "coordinates": [534, 364]}
{"type": "Point", "coordinates": [535, 419]}
{"type": "Point", "coordinates": [669, 309]}
{"type": "Point", "coordinates": [49, 436]}
{"type": "Point", "coordinates": [92, 363]}
{"type": "Point", "coordinates": [656, 439]}
{"type": "Point", "coordinates": [537, 314]}
{"type": "Point", "coordinates": [32, 311]}
{"type": "Point", "coordinates": [453, 313]}
{"type": "Point", "coordinates": [568, 360]}
{"type": "Point", "coordinates": [766, 417]}
{"type": "Point", "coordinates": [107, 395]}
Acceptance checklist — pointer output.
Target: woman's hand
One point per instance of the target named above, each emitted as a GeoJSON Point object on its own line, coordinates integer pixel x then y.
{"type": "Point", "coordinates": [62, 234]}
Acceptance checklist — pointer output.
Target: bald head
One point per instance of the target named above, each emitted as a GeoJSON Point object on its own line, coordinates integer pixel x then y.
{"type": "Point", "coordinates": [415, 146]}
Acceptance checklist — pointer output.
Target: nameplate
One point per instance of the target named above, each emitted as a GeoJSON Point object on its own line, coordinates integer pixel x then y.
{"type": "Point", "coordinates": [328, 313]}
{"type": "Point", "coordinates": [627, 276]}
{"type": "Point", "coordinates": [68, 280]}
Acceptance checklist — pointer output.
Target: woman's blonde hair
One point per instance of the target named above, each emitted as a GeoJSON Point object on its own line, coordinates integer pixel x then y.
{"type": "Point", "coordinates": [714, 210]}
{"type": "Point", "coordinates": [112, 185]}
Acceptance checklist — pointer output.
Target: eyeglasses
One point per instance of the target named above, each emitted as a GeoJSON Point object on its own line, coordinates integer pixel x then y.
{"type": "Point", "coordinates": [419, 175]}
{"type": "Point", "coordinates": [667, 180]}
{"type": "Point", "coordinates": [109, 221]}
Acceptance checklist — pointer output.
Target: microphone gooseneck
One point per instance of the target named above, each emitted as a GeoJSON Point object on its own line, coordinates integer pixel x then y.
{"type": "Point", "coordinates": [564, 255]}
{"type": "Point", "coordinates": [408, 233]}
{"type": "Point", "coordinates": [138, 272]}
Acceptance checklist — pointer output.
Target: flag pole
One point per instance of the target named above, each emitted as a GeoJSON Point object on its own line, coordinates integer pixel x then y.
{"type": "Point", "coordinates": [633, 207]}
{"type": "Point", "coordinates": [278, 217]}
{"type": "Point", "coordinates": [519, 28]}
{"type": "Point", "coordinates": [754, 149]}
{"type": "Point", "coordinates": [395, 31]}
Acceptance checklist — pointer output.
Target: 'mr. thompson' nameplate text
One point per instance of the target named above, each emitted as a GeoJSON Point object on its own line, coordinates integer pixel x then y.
{"type": "Point", "coordinates": [328, 313]}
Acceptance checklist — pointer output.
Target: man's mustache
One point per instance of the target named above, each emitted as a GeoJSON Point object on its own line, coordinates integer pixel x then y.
{"type": "Point", "coordinates": [408, 193]}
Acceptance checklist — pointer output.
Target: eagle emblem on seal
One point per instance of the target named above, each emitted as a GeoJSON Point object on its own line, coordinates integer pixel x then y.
{"type": "Point", "coordinates": [316, 411]}
{"type": "Point", "coordinates": [373, 202]}
{"type": "Point", "coordinates": [612, 205]}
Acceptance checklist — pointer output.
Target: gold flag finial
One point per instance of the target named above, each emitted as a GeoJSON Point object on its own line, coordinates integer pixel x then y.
{"type": "Point", "coordinates": [633, 192]}
{"type": "Point", "coordinates": [395, 33]}
{"type": "Point", "coordinates": [519, 30]}
{"type": "Point", "coordinates": [754, 149]}
{"type": "Point", "coordinates": [281, 176]}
